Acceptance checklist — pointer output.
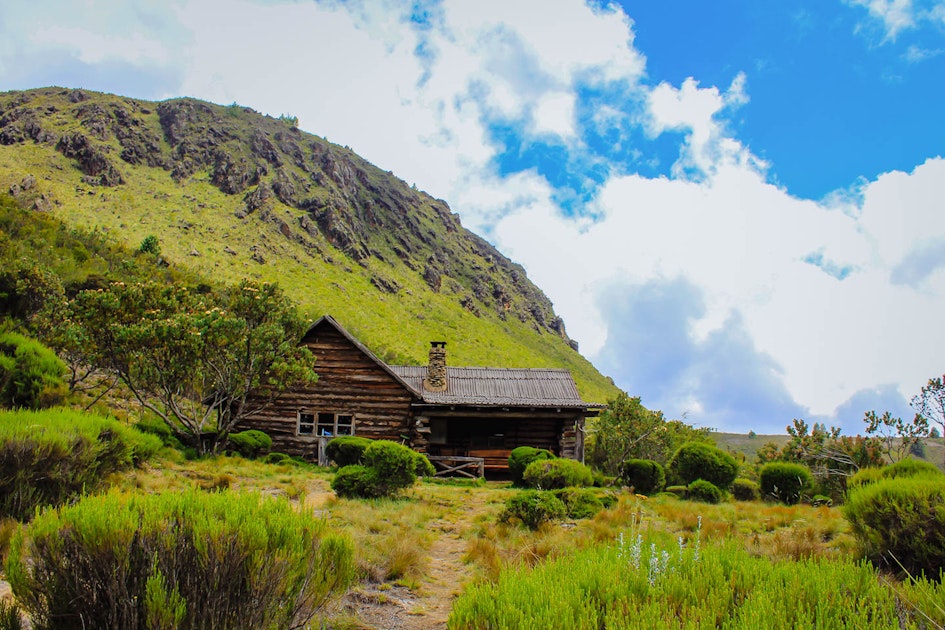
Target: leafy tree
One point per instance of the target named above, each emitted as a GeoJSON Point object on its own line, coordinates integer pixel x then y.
{"type": "Point", "coordinates": [929, 403]}
{"type": "Point", "coordinates": [898, 438]}
{"type": "Point", "coordinates": [832, 458]}
{"type": "Point", "coordinates": [628, 430]}
{"type": "Point", "coordinates": [200, 362]}
{"type": "Point", "coordinates": [25, 288]}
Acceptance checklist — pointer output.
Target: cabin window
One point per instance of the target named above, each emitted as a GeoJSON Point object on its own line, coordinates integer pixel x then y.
{"type": "Point", "coordinates": [325, 423]}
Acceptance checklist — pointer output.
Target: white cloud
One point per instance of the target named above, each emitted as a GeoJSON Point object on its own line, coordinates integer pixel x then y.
{"type": "Point", "coordinates": [94, 48]}
{"type": "Point", "coordinates": [896, 15]}
{"type": "Point", "coordinates": [695, 111]}
{"type": "Point", "coordinates": [916, 54]}
{"type": "Point", "coordinates": [554, 114]}
{"type": "Point", "coordinates": [742, 243]}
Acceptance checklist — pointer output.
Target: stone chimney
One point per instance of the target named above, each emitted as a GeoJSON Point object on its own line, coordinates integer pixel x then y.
{"type": "Point", "coordinates": [436, 370]}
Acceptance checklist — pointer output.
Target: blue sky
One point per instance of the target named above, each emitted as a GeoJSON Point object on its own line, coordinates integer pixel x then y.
{"type": "Point", "coordinates": [736, 206]}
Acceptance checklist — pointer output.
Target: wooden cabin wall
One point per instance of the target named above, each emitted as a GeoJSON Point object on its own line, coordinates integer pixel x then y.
{"type": "Point", "coordinates": [349, 383]}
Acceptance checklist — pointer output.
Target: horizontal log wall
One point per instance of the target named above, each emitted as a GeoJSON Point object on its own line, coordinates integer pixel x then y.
{"type": "Point", "coordinates": [349, 382]}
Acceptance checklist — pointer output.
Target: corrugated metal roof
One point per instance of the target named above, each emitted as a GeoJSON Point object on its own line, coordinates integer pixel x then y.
{"type": "Point", "coordinates": [497, 387]}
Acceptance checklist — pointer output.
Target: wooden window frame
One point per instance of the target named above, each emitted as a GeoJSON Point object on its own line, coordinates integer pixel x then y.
{"type": "Point", "coordinates": [324, 423]}
{"type": "Point", "coordinates": [305, 422]}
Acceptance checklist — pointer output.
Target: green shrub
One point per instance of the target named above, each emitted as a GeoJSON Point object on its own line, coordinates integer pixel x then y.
{"type": "Point", "coordinates": [551, 474]}
{"type": "Point", "coordinates": [177, 560]}
{"type": "Point", "coordinates": [395, 463]}
{"type": "Point", "coordinates": [579, 502]}
{"type": "Point", "coordinates": [704, 491]}
{"type": "Point", "coordinates": [678, 491]}
{"type": "Point", "coordinates": [521, 457]}
{"type": "Point", "coordinates": [697, 460]}
{"type": "Point", "coordinates": [49, 457]}
{"type": "Point", "coordinates": [784, 481]}
{"type": "Point", "coordinates": [347, 449]}
{"type": "Point", "coordinates": [278, 458]}
{"type": "Point", "coordinates": [156, 426]}
{"type": "Point", "coordinates": [910, 467]}
{"type": "Point", "coordinates": [31, 375]}
{"type": "Point", "coordinates": [864, 476]}
{"type": "Point", "coordinates": [645, 476]}
{"type": "Point", "coordinates": [603, 481]}
{"type": "Point", "coordinates": [745, 490]}
{"type": "Point", "coordinates": [900, 522]}
{"type": "Point", "coordinates": [356, 482]}
{"type": "Point", "coordinates": [150, 245]}
{"type": "Point", "coordinates": [532, 508]}
{"type": "Point", "coordinates": [251, 444]}
{"type": "Point", "coordinates": [423, 468]}
{"type": "Point", "coordinates": [388, 468]}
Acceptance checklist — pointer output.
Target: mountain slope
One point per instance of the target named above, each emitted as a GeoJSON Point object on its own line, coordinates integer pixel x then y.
{"type": "Point", "coordinates": [232, 193]}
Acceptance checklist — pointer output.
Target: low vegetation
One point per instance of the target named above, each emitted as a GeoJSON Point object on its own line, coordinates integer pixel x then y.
{"type": "Point", "coordinates": [53, 456]}
{"type": "Point", "coordinates": [177, 560]}
{"type": "Point", "coordinates": [651, 582]}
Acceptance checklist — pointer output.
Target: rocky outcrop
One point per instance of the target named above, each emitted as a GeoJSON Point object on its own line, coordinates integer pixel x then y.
{"type": "Point", "coordinates": [91, 160]}
{"type": "Point", "coordinates": [341, 201]}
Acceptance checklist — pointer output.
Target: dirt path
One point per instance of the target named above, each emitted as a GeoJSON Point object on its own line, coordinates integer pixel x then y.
{"type": "Point", "coordinates": [426, 607]}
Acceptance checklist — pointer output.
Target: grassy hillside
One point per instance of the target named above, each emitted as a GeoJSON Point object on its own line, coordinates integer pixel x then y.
{"type": "Point", "coordinates": [232, 194]}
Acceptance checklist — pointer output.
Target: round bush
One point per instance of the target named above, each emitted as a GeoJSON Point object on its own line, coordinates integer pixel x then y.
{"type": "Point", "coordinates": [347, 449]}
{"type": "Point", "coordinates": [251, 444]}
{"type": "Point", "coordinates": [677, 491]}
{"type": "Point", "coordinates": [745, 490]}
{"type": "Point", "coordinates": [704, 491]}
{"type": "Point", "coordinates": [278, 458]}
{"type": "Point", "coordinates": [532, 508]}
{"type": "Point", "coordinates": [901, 522]}
{"type": "Point", "coordinates": [579, 502]}
{"type": "Point", "coordinates": [396, 464]}
{"type": "Point", "coordinates": [551, 474]}
{"type": "Point", "coordinates": [423, 466]}
{"type": "Point", "coordinates": [696, 460]}
{"type": "Point", "coordinates": [644, 475]}
{"type": "Point", "coordinates": [357, 482]}
{"type": "Point", "coordinates": [521, 457]}
{"type": "Point", "coordinates": [177, 560]}
{"type": "Point", "coordinates": [784, 481]}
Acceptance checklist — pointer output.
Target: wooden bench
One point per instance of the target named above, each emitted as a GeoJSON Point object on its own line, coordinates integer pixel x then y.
{"type": "Point", "coordinates": [496, 459]}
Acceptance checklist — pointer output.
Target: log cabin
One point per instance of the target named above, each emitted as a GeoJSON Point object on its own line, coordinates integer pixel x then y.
{"type": "Point", "coordinates": [461, 417]}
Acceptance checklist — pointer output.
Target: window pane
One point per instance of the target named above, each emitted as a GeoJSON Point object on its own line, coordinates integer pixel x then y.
{"type": "Point", "coordinates": [326, 425]}
{"type": "Point", "coordinates": [306, 423]}
{"type": "Point", "coordinates": [345, 424]}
